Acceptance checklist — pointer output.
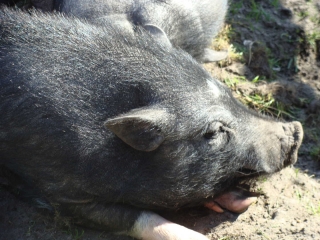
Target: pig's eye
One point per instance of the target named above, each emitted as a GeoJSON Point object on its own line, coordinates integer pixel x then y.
{"type": "Point", "coordinates": [211, 135]}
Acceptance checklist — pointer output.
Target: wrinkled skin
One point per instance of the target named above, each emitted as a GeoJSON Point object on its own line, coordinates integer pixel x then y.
{"type": "Point", "coordinates": [106, 125]}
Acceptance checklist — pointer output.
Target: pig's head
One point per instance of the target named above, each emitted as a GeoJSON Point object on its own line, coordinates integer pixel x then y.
{"type": "Point", "coordinates": [193, 139]}
{"type": "Point", "coordinates": [201, 143]}
{"type": "Point", "coordinates": [198, 144]}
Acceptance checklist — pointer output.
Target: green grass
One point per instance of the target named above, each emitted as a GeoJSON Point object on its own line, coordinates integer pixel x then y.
{"type": "Point", "coordinates": [233, 82]}
{"type": "Point", "coordinates": [298, 194]}
{"type": "Point", "coordinates": [315, 153]}
{"type": "Point", "coordinates": [222, 42]}
{"type": "Point", "coordinates": [275, 3]}
{"type": "Point", "coordinates": [315, 210]}
{"type": "Point", "coordinates": [235, 7]}
{"type": "Point", "coordinates": [264, 103]}
{"type": "Point", "coordinates": [76, 233]}
{"type": "Point", "coordinates": [303, 14]}
{"type": "Point", "coordinates": [315, 19]}
{"type": "Point", "coordinates": [313, 37]}
{"type": "Point", "coordinates": [257, 12]}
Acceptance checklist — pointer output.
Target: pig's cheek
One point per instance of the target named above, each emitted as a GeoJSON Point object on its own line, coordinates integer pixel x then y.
{"type": "Point", "coordinates": [232, 202]}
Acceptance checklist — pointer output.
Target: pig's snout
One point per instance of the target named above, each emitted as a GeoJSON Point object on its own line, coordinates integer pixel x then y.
{"type": "Point", "coordinates": [275, 151]}
{"type": "Point", "coordinates": [294, 135]}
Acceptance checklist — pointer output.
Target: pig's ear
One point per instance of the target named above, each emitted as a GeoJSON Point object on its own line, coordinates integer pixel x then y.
{"type": "Point", "coordinates": [158, 34]}
{"type": "Point", "coordinates": [141, 129]}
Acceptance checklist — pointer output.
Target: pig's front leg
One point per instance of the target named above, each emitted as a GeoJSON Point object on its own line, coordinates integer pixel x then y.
{"type": "Point", "coordinates": [133, 222]}
{"type": "Point", "coordinates": [150, 226]}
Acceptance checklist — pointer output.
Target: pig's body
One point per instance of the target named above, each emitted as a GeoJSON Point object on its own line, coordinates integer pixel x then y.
{"type": "Point", "coordinates": [190, 24]}
{"type": "Point", "coordinates": [108, 124]}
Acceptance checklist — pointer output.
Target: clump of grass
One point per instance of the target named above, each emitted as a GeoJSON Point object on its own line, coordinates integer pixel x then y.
{"type": "Point", "coordinates": [275, 3]}
{"type": "Point", "coordinates": [222, 43]}
{"type": "Point", "coordinates": [315, 19]}
{"type": "Point", "coordinates": [233, 82]}
{"type": "Point", "coordinates": [236, 53]}
{"type": "Point", "coordinates": [264, 103]}
{"type": "Point", "coordinates": [315, 210]}
{"type": "Point", "coordinates": [313, 37]}
{"type": "Point", "coordinates": [257, 12]}
{"type": "Point", "coordinates": [235, 7]}
{"type": "Point", "coordinates": [303, 14]}
{"type": "Point", "coordinates": [274, 62]}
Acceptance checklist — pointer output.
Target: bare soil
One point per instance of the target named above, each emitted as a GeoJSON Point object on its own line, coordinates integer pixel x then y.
{"type": "Point", "coordinates": [285, 54]}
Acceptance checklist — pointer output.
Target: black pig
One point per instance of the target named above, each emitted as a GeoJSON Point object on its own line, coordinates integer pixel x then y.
{"type": "Point", "coordinates": [189, 24]}
{"type": "Point", "coordinates": [107, 125]}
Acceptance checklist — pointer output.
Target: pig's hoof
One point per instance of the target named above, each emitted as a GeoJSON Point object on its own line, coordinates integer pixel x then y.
{"type": "Point", "coordinates": [210, 55]}
{"type": "Point", "coordinates": [150, 226]}
{"type": "Point", "coordinates": [236, 201]}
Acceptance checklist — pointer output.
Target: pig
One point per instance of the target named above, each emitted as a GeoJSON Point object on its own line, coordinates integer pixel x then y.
{"type": "Point", "coordinates": [109, 126]}
{"type": "Point", "coordinates": [189, 24]}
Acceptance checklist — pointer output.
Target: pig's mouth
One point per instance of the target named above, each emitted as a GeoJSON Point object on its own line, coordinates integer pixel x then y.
{"type": "Point", "coordinates": [236, 200]}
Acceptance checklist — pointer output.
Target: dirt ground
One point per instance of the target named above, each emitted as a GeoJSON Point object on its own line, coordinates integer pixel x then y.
{"type": "Point", "coordinates": [278, 41]}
